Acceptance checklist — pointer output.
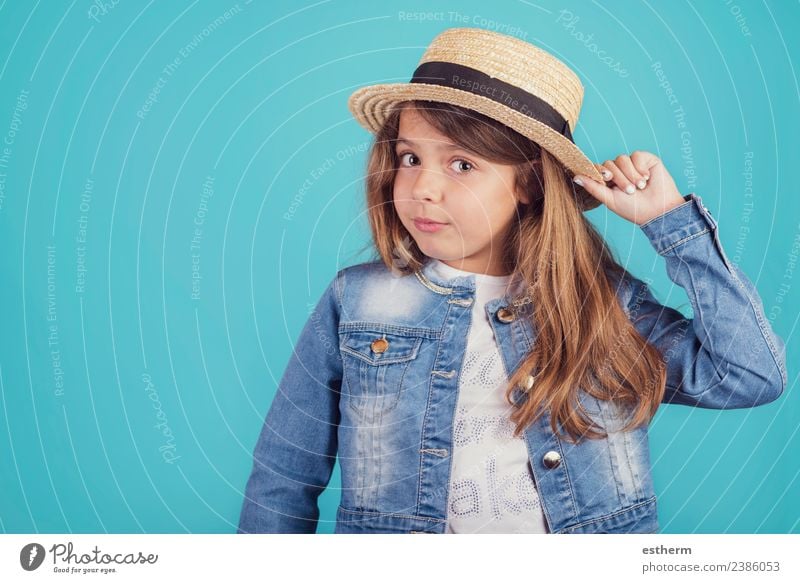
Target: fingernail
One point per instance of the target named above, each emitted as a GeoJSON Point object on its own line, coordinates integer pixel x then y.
{"type": "Point", "coordinates": [606, 174]}
{"type": "Point", "coordinates": [630, 189]}
{"type": "Point", "coordinates": [577, 181]}
{"type": "Point", "coordinates": [641, 184]}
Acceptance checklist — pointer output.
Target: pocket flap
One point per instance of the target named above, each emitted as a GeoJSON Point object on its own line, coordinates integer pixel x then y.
{"type": "Point", "coordinates": [396, 348]}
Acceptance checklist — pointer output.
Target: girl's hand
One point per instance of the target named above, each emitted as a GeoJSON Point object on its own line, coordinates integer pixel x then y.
{"type": "Point", "coordinates": [640, 187]}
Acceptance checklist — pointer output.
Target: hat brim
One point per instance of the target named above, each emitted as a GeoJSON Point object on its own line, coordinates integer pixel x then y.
{"type": "Point", "coordinates": [371, 105]}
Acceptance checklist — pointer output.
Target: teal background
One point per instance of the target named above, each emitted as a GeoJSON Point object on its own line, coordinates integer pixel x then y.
{"type": "Point", "coordinates": [257, 106]}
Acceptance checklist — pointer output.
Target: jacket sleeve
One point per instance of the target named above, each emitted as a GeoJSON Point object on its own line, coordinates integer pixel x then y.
{"type": "Point", "coordinates": [296, 450]}
{"type": "Point", "coordinates": [727, 356]}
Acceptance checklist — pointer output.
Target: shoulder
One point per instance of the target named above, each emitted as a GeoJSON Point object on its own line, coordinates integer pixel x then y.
{"type": "Point", "coordinates": [360, 270]}
{"type": "Point", "coordinates": [374, 273]}
{"type": "Point", "coordinates": [372, 290]}
{"type": "Point", "coordinates": [346, 283]}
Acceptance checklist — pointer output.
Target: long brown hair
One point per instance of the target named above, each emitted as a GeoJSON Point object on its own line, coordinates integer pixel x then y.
{"type": "Point", "coordinates": [584, 339]}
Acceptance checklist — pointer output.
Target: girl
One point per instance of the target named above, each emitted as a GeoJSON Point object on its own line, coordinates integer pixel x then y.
{"type": "Point", "coordinates": [495, 369]}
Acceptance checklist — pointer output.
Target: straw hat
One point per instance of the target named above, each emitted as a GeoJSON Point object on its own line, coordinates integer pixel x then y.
{"type": "Point", "coordinates": [500, 76]}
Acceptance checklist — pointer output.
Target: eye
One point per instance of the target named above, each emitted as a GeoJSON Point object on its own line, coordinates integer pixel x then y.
{"type": "Point", "coordinates": [403, 155]}
{"type": "Point", "coordinates": [462, 166]}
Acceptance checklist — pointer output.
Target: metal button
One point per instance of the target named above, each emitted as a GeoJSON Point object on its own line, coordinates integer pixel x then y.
{"type": "Point", "coordinates": [380, 345]}
{"type": "Point", "coordinates": [552, 459]}
{"type": "Point", "coordinates": [527, 384]}
{"type": "Point", "coordinates": [505, 315]}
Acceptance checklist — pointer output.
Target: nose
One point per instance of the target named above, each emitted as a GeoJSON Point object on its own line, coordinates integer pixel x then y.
{"type": "Point", "coordinates": [427, 186]}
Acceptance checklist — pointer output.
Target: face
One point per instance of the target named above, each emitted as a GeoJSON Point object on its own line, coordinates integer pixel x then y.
{"type": "Point", "coordinates": [471, 200]}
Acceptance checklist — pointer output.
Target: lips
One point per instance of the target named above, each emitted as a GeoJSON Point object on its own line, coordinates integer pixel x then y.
{"type": "Point", "coordinates": [428, 226]}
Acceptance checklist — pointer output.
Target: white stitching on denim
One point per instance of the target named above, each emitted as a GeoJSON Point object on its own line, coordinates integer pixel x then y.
{"type": "Point", "coordinates": [372, 513]}
{"type": "Point", "coordinates": [360, 326]}
{"type": "Point", "coordinates": [626, 509]}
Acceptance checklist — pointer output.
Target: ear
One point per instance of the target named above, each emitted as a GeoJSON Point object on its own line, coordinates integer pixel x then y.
{"type": "Point", "coordinates": [522, 196]}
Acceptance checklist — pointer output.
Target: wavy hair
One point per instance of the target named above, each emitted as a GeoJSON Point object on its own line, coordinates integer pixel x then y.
{"type": "Point", "coordinates": [584, 338]}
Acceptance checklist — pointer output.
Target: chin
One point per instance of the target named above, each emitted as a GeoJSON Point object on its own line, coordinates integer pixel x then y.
{"type": "Point", "coordinates": [440, 254]}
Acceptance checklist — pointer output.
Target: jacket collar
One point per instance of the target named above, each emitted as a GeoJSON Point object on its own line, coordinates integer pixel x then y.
{"type": "Point", "coordinates": [428, 277]}
{"type": "Point", "coordinates": [433, 281]}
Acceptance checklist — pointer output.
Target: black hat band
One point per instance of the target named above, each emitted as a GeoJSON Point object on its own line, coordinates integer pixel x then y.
{"type": "Point", "coordinates": [477, 82]}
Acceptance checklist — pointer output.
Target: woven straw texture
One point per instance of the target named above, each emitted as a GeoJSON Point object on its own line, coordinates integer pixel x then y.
{"type": "Point", "coordinates": [508, 59]}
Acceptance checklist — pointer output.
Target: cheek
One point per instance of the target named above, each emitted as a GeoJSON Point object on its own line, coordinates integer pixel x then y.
{"type": "Point", "coordinates": [502, 204]}
{"type": "Point", "coordinates": [396, 199]}
{"type": "Point", "coordinates": [401, 206]}
{"type": "Point", "coordinates": [400, 191]}
{"type": "Point", "coordinates": [482, 220]}
{"type": "Point", "coordinates": [502, 215]}
{"type": "Point", "coordinates": [472, 213]}
{"type": "Point", "coordinates": [403, 180]}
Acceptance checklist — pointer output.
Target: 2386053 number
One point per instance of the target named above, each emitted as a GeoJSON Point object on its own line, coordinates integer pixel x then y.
{"type": "Point", "coordinates": [755, 566]}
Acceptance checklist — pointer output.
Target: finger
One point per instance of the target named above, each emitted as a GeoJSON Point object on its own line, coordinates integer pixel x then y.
{"type": "Point", "coordinates": [604, 171]}
{"type": "Point", "coordinates": [600, 191]}
{"type": "Point", "coordinates": [642, 161]}
{"type": "Point", "coordinates": [625, 164]}
{"type": "Point", "coordinates": [619, 177]}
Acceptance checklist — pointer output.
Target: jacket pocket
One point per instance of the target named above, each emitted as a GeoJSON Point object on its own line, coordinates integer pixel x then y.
{"type": "Point", "coordinates": [375, 366]}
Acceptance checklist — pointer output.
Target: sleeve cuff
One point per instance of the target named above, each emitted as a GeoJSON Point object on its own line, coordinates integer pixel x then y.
{"type": "Point", "coordinates": [682, 223]}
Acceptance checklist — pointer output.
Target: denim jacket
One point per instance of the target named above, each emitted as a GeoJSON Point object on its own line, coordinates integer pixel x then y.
{"type": "Point", "coordinates": [387, 408]}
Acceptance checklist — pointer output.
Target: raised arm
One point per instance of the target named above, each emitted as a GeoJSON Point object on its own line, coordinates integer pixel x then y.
{"type": "Point", "coordinates": [727, 356]}
{"type": "Point", "coordinates": [296, 450]}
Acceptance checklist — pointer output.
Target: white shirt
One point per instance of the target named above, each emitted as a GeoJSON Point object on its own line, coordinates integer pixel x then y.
{"type": "Point", "coordinates": [491, 486]}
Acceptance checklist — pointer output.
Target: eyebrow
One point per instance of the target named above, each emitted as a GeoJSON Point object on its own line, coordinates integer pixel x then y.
{"type": "Point", "coordinates": [438, 145]}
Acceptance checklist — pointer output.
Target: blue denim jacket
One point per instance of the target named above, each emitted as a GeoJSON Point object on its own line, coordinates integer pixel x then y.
{"type": "Point", "coordinates": [389, 415]}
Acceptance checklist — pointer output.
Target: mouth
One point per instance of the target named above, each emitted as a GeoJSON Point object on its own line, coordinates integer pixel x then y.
{"type": "Point", "coordinates": [428, 226]}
